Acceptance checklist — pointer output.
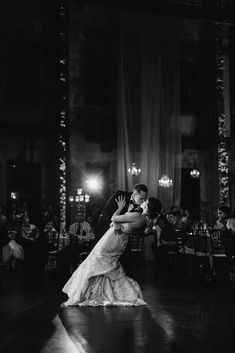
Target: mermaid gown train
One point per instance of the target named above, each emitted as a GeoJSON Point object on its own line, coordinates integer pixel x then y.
{"type": "Point", "coordinates": [100, 279]}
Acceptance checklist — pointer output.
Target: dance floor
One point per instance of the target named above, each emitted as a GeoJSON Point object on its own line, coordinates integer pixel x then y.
{"type": "Point", "coordinates": [179, 318]}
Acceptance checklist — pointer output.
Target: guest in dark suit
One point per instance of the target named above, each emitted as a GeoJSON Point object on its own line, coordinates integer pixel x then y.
{"type": "Point", "coordinates": [133, 201]}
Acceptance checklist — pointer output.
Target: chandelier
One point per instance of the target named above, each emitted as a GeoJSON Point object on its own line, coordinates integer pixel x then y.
{"type": "Point", "coordinates": [134, 170]}
{"type": "Point", "coordinates": [195, 173]}
{"type": "Point", "coordinates": [80, 197]}
{"type": "Point", "coordinates": [165, 181]}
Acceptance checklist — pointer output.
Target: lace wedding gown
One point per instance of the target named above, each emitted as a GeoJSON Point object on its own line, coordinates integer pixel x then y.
{"type": "Point", "coordinates": [100, 279]}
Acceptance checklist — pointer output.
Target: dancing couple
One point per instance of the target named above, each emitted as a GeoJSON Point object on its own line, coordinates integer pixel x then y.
{"type": "Point", "coordinates": [100, 279]}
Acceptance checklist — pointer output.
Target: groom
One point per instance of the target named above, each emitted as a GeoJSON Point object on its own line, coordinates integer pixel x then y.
{"type": "Point", "coordinates": [133, 201]}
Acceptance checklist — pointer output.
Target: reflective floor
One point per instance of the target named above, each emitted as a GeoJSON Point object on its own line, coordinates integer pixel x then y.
{"type": "Point", "coordinates": [180, 317]}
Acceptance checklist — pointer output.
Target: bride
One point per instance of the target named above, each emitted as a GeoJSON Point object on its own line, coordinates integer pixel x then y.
{"type": "Point", "coordinates": [100, 279]}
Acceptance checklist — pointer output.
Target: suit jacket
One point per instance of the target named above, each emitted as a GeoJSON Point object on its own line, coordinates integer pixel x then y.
{"type": "Point", "coordinates": [110, 207]}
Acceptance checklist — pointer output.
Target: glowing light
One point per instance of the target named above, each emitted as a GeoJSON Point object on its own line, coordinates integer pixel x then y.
{"type": "Point", "coordinates": [165, 181]}
{"type": "Point", "coordinates": [13, 195]}
{"type": "Point", "coordinates": [81, 198]}
{"type": "Point", "coordinates": [87, 198]}
{"type": "Point", "coordinates": [79, 191]}
{"type": "Point", "coordinates": [223, 147]}
{"type": "Point", "coordinates": [195, 173]}
{"type": "Point", "coordinates": [93, 184]}
{"type": "Point", "coordinates": [62, 120]}
{"type": "Point", "coordinates": [133, 170]}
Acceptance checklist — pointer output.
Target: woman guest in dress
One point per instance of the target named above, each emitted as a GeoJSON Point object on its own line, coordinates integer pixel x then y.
{"type": "Point", "coordinates": [223, 214]}
{"type": "Point", "coordinates": [100, 279]}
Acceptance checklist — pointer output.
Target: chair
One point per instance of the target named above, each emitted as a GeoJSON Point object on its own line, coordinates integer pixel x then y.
{"type": "Point", "coordinates": [52, 260]}
{"type": "Point", "coordinates": [85, 251]}
{"type": "Point", "coordinates": [180, 245]}
{"type": "Point", "coordinates": [201, 245]}
{"type": "Point", "coordinates": [218, 243]}
{"type": "Point", "coordinates": [52, 267]}
{"type": "Point", "coordinates": [230, 251]}
{"type": "Point", "coordinates": [172, 260]}
{"type": "Point", "coordinates": [2, 270]}
{"type": "Point", "coordinates": [223, 253]}
{"type": "Point", "coordinates": [184, 259]}
{"type": "Point", "coordinates": [200, 242]}
{"type": "Point", "coordinates": [137, 260]}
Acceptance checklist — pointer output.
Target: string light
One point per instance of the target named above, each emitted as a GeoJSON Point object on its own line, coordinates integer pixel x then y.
{"type": "Point", "coordinates": [222, 151]}
{"type": "Point", "coordinates": [63, 116]}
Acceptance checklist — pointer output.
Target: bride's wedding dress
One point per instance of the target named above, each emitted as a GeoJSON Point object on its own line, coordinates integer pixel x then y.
{"type": "Point", "coordinates": [100, 279]}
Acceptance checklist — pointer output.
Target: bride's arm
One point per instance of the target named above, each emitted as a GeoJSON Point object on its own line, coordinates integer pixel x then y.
{"type": "Point", "coordinates": [121, 204]}
{"type": "Point", "coordinates": [128, 217]}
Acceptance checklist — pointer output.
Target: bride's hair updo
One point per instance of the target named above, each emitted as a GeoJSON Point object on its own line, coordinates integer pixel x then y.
{"type": "Point", "coordinates": [154, 207]}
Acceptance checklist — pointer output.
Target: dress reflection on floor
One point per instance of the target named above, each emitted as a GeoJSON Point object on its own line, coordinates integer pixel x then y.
{"type": "Point", "coordinates": [178, 318]}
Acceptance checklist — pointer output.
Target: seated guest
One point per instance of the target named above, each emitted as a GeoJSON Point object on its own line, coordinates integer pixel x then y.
{"type": "Point", "coordinates": [168, 243]}
{"type": "Point", "coordinates": [222, 226]}
{"type": "Point", "coordinates": [80, 244]}
{"type": "Point", "coordinates": [153, 229]}
{"type": "Point", "coordinates": [231, 225]}
{"type": "Point", "coordinates": [81, 236]}
{"type": "Point", "coordinates": [28, 231]}
{"type": "Point", "coordinates": [223, 214]}
{"type": "Point", "coordinates": [48, 214]}
{"type": "Point", "coordinates": [186, 221]}
{"type": "Point", "coordinates": [51, 235]}
{"type": "Point", "coordinates": [12, 252]}
{"type": "Point", "coordinates": [230, 245]}
{"type": "Point", "coordinates": [177, 211]}
{"type": "Point", "coordinates": [158, 224]}
{"type": "Point", "coordinates": [35, 250]}
{"type": "Point", "coordinates": [168, 237]}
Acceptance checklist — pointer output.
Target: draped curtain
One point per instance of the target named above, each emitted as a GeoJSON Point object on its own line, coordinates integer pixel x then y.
{"type": "Point", "coordinates": [148, 104]}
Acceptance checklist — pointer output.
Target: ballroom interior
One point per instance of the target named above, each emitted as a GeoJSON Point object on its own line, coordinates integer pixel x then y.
{"type": "Point", "coordinates": [95, 97]}
{"type": "Point", "coordinates": [66, 69]}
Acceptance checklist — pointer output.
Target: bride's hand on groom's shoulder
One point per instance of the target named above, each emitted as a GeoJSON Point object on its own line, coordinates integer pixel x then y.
{"type": "Point", "coordinates": [121, 202]}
